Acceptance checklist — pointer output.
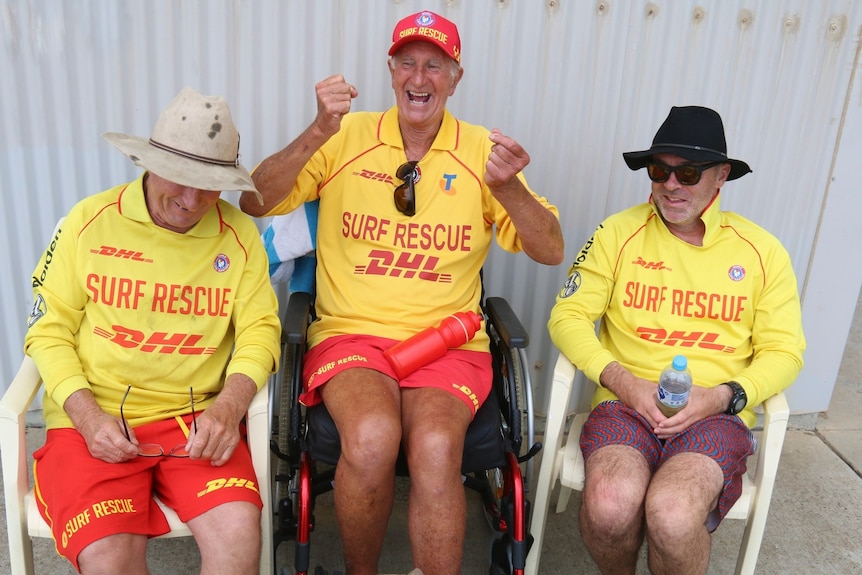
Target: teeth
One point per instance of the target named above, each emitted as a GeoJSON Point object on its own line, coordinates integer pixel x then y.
{"type": "Point", "coordinates": [419, 94]}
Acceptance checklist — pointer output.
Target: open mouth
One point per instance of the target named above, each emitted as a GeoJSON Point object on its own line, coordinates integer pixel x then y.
{"type": "Point", "coordinates": [418, 97]}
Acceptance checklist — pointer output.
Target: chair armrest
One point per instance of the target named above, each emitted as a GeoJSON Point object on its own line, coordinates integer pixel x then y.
{"type": "Point", "coordinates": [776, 409]}
{"type": "Point", "coordinates": [13, 449]}
{"type": "Point", "coordinates": [552, 456]}
{"type": "Point", "coordinates": [13, 441]}
{"type": "Point", "coordinates": [294, 324]}
{"type": "Point", "coordinates": [776, 413]}
{"type": "Point", "coordinates": [22, 391]}
{"type": "Point", "coordinates": [564, 371]}
{"type": "Point", "coordinates": [259, 403]}
{"type": "Point", "coordinates": [257, 421]}
{"type": "Point", "coordinates": [570, 462]}
{"type": "Point", "coordinates": [506, 323]}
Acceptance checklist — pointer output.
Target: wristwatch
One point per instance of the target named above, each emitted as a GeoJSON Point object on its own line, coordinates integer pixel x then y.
{"type": "Point", "coordinates": [738, 400]}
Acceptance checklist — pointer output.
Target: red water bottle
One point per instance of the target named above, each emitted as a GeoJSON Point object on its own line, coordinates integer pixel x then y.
{"type": "Point", "coordinates": [432, 343]}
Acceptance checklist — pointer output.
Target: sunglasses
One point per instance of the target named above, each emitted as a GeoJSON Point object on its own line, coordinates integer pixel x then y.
{"type": "Point", "coordinates": [686, 174]}
{"type": "Point", "coordinates": [405, 193]}
{"type": "Point", "coordinates": [153, 449]}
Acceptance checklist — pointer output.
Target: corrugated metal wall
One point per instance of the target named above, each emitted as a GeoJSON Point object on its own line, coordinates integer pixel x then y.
{"type": "Point", "coordinates": [577, 82]}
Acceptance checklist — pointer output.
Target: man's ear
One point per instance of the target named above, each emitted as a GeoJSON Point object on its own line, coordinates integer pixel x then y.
{"type": "Point", "coordinates": [723, 173]}
{"type": "Point", "coordinates": [457, 79]}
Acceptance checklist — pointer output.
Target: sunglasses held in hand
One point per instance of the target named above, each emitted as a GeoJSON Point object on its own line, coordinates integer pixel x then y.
{"type": "Point", "coordinates": [153, 449]}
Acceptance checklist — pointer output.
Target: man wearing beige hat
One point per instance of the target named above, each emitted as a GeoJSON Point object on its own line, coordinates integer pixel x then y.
{"type": "Point", "coordinates": [410, 201]}
{"type": "Point", "coordinates": [153, 326]}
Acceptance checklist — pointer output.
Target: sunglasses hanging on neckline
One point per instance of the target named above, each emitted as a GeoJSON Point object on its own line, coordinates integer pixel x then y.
{"type": "Point", "coordinates": [405, 193]}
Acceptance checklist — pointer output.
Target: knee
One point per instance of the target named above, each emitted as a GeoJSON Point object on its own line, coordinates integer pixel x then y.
{"type": "Point", "coordinates": [611, 510]}
{"type": "Point", "coordinates": [670, 517]}
{"type": "Point", "coordinates": [436, 451]}
{"type": "Point", "coordinates": [237, 522]}
{"type": "Point", "coordinates": [243, 524]}
{"type": "Point", "coordinates": [371, 443]}
{"type": "Point", "coordinates": [118, 553]}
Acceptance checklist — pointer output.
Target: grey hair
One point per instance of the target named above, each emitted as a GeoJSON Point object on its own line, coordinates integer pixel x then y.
{"type": "Point", "coordinates": [455, 67]}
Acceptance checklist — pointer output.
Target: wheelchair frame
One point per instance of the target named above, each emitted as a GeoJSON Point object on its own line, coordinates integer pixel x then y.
{"type": "Point", "coordinates": [503, 486]}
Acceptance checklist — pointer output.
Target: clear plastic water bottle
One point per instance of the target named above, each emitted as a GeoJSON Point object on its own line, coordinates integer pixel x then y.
{"type": "Point", "coordinates": [674, 386]}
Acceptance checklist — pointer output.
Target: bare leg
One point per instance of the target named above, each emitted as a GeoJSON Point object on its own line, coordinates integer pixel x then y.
{"type": "Point", "coordinates": [228, 537]}
{"type": "Point", "coordinates": [612, 511]}
{"type": "Point", "coordinates": [682, 493]}
{"type": "Point", "coordinates": [365, 406]}
{"type": "Point", "coordinates": [124, 553]}
{"type": "Point", "coordinates": [435, 423]}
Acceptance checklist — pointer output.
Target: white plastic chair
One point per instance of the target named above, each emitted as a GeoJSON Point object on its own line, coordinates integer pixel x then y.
{"type": "Point", "coordinates": [565, 462]}
{"type": "Point", "coordinates": [23, 520]}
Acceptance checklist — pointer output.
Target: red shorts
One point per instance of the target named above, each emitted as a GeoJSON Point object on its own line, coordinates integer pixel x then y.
{"type": "Point", "coordinates": [84, 499]}
{"type": "Point", "coordinates": [464, 373]}
{"type": "Point", "coordinates": [723, 438]}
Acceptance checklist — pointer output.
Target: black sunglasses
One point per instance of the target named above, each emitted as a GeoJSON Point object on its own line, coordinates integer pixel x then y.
{"type": "Point", "coordinates": [686, 174]}
{"type": "Point", "coordinates": [405, 193]}
{"type": "Point", "coordinates": [153, 449]}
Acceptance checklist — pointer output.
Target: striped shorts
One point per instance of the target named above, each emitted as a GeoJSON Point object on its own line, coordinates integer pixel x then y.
{"type": "Point", "coordinates": [723, 438]}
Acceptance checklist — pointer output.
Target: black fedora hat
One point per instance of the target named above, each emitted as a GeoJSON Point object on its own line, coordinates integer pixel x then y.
{"type": "Point", "coordinates": [691, 132]}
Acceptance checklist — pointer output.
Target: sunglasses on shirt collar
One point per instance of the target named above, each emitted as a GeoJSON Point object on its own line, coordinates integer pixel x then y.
{"type": "Point", "coordinates": [405, 193]}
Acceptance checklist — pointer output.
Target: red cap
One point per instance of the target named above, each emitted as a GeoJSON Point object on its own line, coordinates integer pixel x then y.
{"type": "Point", "coordinates": [430, 27]}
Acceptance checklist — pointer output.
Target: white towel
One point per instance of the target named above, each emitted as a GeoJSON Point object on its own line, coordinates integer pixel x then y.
{"type": "Point", "coordinates": [290, 241]}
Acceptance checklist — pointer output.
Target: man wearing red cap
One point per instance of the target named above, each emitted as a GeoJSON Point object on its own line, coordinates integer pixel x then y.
{"type": "Point", "coordinates": [410, 200]}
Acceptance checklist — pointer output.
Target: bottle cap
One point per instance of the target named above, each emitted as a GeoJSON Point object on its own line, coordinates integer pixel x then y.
{"type": "Point", "coordinates": [680, 363]}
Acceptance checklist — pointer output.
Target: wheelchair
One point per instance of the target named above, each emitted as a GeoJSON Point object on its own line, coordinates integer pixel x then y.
{"type": "Point", "coordinates": [498, 446]}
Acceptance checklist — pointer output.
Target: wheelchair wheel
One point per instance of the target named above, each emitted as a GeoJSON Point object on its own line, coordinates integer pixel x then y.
{"type": "Point", "coordinates": [281, 448]}
{"type": "Point", "coordinates": [516, 427]}
{"type": "Point", "coordinates": [285, 452]}
{"type": "Point", "coordinates": [517, 400]}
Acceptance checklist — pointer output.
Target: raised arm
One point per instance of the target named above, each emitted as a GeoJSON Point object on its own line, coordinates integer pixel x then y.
{"type": "Point", "coordinates": [538, 229]}
{"type": "Point", "coordinates": [275, 176]}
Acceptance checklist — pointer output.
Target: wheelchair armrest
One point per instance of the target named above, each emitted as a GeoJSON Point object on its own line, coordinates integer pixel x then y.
{"type": "Point", "coordinates": [295, 321]}
{"type": "Point", "coordinates": [506, 323]}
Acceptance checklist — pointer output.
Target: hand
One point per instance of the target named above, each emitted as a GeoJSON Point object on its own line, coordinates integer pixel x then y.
{"type": "Point", "coordinates": [643, 400]}
{"type": "Point", "coordinates": [333, 102]}
{"type": "Point", "coordinates": [702, 402]}
{"type": "Point", "coordinates": [103, 433]}
{"type": "Point", "coordinates": [106, 438]}
{"type": "Point", "coordinates": [217, 434]}
{"type": "Point", "coordinates": [635, 392]}
{"type": "Point", "coordinates": [506, 160]}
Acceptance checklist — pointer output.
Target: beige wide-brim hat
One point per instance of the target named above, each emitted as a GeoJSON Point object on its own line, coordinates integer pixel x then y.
{"type": "Point", "coordinates": [194, 143]}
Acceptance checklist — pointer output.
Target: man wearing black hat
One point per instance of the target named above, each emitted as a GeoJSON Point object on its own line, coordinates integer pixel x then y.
{"type": "Point", "coordinates": [675, 276]}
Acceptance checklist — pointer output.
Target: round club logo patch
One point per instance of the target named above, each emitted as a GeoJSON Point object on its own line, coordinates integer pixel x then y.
{"type": "Point", "coordinates": [736, 273]}
{"type": "Point", "coordinates": [221, 263]}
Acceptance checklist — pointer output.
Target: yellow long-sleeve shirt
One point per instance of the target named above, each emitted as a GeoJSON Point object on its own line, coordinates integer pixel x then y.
{"type": "Point", "coordinates": [731, 306]}
{"type": "Point", "coordinates": [120, 301]}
